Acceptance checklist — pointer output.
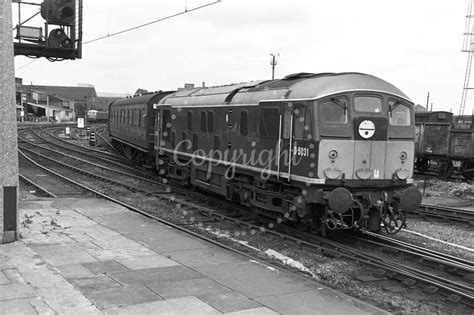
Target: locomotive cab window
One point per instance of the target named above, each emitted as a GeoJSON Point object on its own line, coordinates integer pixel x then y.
{"type": "Point", "coordinates": [334, 111]}
{"type": "Point", "coordinates": [368, 104]}
{"type": "Point", "coordinates": [269, 122]}
{"type": "Point", "coordinates": [399, 113]}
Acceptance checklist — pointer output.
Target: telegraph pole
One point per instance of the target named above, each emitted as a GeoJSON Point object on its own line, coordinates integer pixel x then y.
{"type": "Point", "coordinates": [273, 63]}
{"type": "Point", "coordinates": [8, 130]}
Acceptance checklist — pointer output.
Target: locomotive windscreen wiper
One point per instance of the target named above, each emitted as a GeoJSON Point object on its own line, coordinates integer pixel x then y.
{"type": "Point", "coordinates": [339, 103]}
{"type": "Point", "coordinates": [392, 107]}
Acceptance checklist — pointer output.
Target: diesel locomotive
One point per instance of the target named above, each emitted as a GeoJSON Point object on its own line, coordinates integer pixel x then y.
{"type": "Point", "coordinates": [94, 116]}
{"type": "Point", "coordinates": [327, 151]}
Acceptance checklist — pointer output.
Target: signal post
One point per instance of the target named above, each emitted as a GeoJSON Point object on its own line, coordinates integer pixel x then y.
{"type": "Point", "coordinates": [64, 41]}
{"type": "Point", "coordinates": [8, 130]}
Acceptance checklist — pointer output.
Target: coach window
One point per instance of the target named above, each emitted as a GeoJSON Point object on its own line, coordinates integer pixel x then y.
{"type": "Point", "coordinates": [195, 142]}
{"type": "Point", "coordinates": [244, 123]}
{"type": "Point", "coordinates": [189, 121]}
{"type": "Point", "coordinates": [210, 121]}
{"type": "Point", "coordinates": [132, 117]}
{"type": "Point", "coordinates": [370, 104]}
{"type": "Point", "coordinates": [299, 122]}
{"type": "Point", "coordinates": [203, 121]}
{"type": "Point", "coordinates": [399, 114]}
{"type": "Point", "coordinates": [269, 122]}
{"type": "Point", "coordinates": [333, 111]}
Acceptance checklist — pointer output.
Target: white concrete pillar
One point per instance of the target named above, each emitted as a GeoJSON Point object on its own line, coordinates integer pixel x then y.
{"type": "Point", "coordinates": [9, 192]}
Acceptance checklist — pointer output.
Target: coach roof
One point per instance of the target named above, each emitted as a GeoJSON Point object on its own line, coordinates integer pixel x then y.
{"type": "Point", "coordinates": [143, 99]}
{"type": "Point", "coordinates": [294, 86]}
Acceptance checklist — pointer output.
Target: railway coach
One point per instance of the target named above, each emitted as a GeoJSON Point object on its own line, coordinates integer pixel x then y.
{"type": "Point", "coordinates": [131, 126]}
{"type": "Point", "coordinates": [327, 151]}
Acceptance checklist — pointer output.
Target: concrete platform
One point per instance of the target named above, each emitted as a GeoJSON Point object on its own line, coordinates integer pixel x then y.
{"type": "Point", "coordinates": [88, 256]}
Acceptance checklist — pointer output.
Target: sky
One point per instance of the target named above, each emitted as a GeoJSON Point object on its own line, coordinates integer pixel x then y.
{"type": "Point", "coordinates": [415, 45]}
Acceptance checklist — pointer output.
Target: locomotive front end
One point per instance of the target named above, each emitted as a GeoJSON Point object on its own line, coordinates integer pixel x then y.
{"type": "Point", "coordinates": [366, 154]}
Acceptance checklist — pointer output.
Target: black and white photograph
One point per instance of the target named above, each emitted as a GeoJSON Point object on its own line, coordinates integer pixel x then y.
{"type": "Point", "coordinates": [236, 157]}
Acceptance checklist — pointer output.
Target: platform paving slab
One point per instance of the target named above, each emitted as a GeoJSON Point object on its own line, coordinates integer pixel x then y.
{"type": "Point", "coordinates": [253, 280]}
{"type": "Point", "coordinates": [74, 271]}
{"type": "Point", "coordinates": [102, 267]}
{"type": "Point", "coordinates": [16, 291]}
{"type": "Point", "coordinates": [95, 283]}
{"type": "Point", "coordinates": [29, 306]}
{"type": "Point", "coordinates": [156, 275]}
{"type": "Point", "coordinates": [190, 287]}
{"type": "Point", "coordinates": [63, 254]}
{"type": "Point", "coordinates": [203, 257]}
{"type": "Point", "coordinates": [229, 301]}
{"type": "Point", "coordinates": [145, 262]}
{"type": "Point", "coordinates": [122, 296]}
{"type": "Point", "coordinates": [184, 305]}
{"type": "Point", "coordinates": [255, 311]}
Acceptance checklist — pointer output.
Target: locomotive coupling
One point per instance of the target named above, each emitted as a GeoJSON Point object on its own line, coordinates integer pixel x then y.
{"type": "Point", "coordinates": [410, 199]}
{"type": "Point", "coordinates": [340, 200]}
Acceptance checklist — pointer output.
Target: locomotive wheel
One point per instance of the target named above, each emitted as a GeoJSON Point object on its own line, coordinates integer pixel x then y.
{"type": "Point", "coordinates": [445, 170]}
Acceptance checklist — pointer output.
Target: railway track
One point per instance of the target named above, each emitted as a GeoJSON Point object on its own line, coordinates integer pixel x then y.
{"type": "Point", "coordinates": [32, 140]}
{"type": "Point", "coordinates": [45, 182]}
{"type": "Point", "coordinates": [445, 213]}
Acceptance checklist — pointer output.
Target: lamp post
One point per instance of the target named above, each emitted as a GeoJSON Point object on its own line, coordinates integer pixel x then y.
{"type": "Point", "coordinates": [273, 63]}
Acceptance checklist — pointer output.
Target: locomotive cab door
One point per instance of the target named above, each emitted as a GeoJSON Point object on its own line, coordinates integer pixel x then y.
{"type": "Point", "coordinates": [276, 139]}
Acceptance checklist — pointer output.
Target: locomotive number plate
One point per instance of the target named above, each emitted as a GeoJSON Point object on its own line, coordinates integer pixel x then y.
{"type": "Point", "coordinates": [302, 151]}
